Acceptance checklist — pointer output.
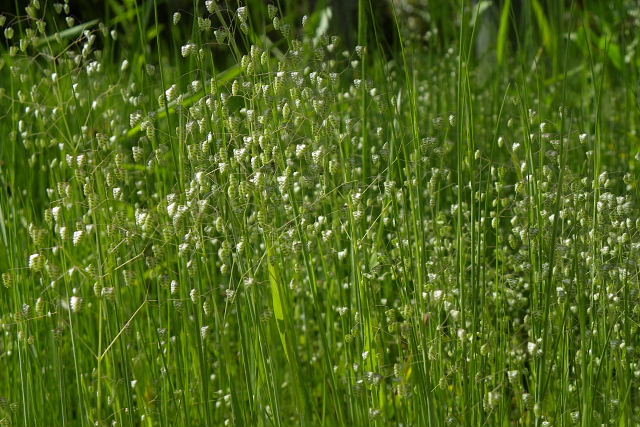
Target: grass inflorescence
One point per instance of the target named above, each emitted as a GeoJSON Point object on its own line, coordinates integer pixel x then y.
{"type": "Point", "coordinates": [230, 216]}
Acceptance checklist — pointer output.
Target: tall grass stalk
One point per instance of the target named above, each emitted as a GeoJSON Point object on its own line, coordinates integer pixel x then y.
{"type": "Point", "coordinates": [228, 215]}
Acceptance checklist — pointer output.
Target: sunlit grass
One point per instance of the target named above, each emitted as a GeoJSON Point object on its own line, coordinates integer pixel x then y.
{"type": "Point", "coordinates": [254, 223]}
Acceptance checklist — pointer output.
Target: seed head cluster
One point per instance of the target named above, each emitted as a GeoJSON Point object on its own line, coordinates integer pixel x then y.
{"type": "Point", "coordinates": [298, 227]}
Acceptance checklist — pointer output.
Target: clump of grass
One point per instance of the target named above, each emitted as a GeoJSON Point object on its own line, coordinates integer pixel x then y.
{"type": "Point", "coordinates": [316, 234]}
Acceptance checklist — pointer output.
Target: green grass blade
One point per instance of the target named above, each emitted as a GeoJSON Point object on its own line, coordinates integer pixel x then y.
{"type": "Point", "coordinates": [503, 31]}
{"type": "Point", "coordinates": [543, 25]}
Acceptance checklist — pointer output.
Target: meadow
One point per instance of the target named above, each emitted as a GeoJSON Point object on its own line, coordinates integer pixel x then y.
{"type": "Point", "coordinates": [245, 213]}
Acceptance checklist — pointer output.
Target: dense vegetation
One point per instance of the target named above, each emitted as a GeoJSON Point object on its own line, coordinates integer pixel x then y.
{"type": "Point", "coordinates": [247, 214]}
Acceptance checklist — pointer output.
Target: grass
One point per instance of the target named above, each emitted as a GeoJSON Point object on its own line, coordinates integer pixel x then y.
{"type": "Point", "coordinates": [228, 216]}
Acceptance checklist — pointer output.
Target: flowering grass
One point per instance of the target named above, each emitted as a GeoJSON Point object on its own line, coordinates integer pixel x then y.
{"type": "Point", "coordinates": [229, 216]}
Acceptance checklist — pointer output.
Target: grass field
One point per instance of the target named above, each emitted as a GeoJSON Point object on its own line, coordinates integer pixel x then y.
{"type": "Point", "coordinates": [230, 214]}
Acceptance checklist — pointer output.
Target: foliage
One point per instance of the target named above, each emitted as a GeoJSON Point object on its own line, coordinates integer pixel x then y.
{"type": "Point", "coordinates": [237, 218]}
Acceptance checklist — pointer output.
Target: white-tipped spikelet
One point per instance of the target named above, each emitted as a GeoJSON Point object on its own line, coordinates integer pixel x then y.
{"type": "Point", "coordinates": [36, 262]}
{"type": "Point", "coordinates": [188, 49]}
{"type": "Point", "coordinates": [75, 303]}
{"type": "Point", "coordinates": [77, 237]}
{"type": "Point", "coordinates": [204, 331]}
{"type": "Point", "coordinates": [210, 5]}
{"type": "Point", "coordinates": [242, 13]}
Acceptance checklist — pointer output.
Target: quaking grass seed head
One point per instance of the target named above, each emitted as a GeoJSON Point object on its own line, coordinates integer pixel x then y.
{"type": "Point", "coordinates": [7, 279]}
{"type": "Point", "coordinates": [75, 304]}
